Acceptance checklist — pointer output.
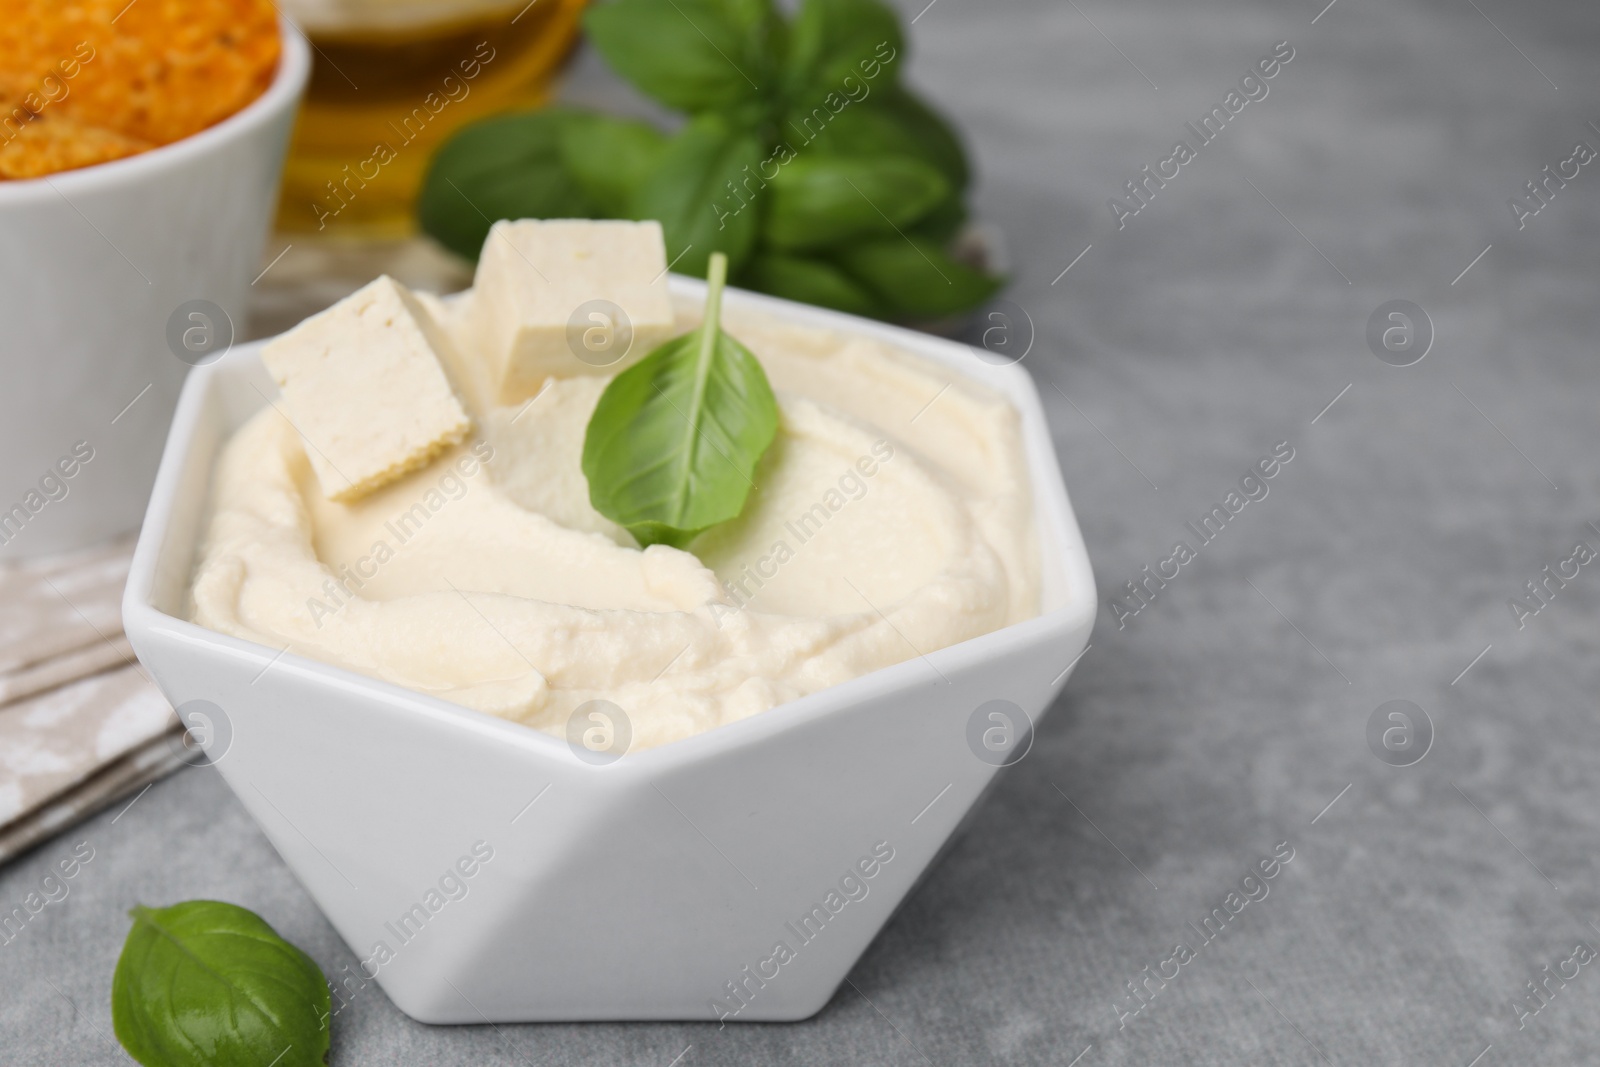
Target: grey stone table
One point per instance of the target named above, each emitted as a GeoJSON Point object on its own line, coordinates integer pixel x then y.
{"type": "Point", "coordinates": [1231, 713]}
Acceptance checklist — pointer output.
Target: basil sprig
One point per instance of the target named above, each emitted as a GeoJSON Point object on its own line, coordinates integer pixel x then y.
{"type": "Point", "coordinates": [673, 444]}
{"type": "Point", "coordinates": [801, 146]}
{"type": "Point", "coordinates": [208, 983]}
{"type": "Point", "coordinates": [694, 170]}
{"type": "Point", "coordinates": [692, 55]}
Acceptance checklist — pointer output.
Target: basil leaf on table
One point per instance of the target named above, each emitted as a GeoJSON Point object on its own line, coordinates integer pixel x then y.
{"type": "Point", "coordinates": [208, 983]}
{"type": "Point", "coordinates": [810, 281]}
{"type": "Point", "coordinates": [692, 55]}
{"type": "Point", "coordinates": [831, 40]}
{"type": "Point", "coordinates": [503, 168]}
{"type": "Point", "coordinates": [687, 191]}
{"type": "Point", "coordinates": [915, 277]}
{"type": "Point", "coordinates": [818, 201]}
{"type": "Point", "coordinates": [608, 157]}
{"type": "Point", "coordinates": [673, 444]}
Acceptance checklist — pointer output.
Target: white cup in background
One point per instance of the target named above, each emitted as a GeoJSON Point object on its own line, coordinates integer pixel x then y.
{"type": "Point", "coordinates": [98, 266]}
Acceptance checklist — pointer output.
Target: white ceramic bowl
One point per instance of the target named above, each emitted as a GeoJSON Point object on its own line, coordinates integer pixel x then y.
{"type": "Point", "coordinates": [635, 890]}
{"type": "Point", "coordinates": [93, 262]}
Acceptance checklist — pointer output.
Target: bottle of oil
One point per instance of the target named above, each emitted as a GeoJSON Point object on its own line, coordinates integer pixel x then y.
{"type": "Point", "coordinates": [390, 81]}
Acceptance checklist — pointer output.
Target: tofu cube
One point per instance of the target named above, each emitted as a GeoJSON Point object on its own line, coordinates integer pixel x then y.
{"type": "Point", "coordinates": [364, 385]}
{"type": "Point", "coordinates": [546, 294]}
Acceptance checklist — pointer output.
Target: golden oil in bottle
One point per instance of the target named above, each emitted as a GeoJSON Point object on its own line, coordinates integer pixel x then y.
{"type": "Point", "coordinates": [390, 81]}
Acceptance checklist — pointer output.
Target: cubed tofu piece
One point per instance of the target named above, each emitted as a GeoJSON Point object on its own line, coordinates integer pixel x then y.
{"type": "Point", "coordinates": [364, 384]}
{"type": "Point", "coordinates": [544, 294]}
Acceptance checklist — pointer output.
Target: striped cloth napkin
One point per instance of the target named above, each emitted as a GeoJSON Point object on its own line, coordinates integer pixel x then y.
{"type": "Point", "coordinates": [81, 724]}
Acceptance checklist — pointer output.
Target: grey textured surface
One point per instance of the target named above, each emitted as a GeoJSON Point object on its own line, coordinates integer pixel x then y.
{"type": "Point", "coordinates": [1229, 713]}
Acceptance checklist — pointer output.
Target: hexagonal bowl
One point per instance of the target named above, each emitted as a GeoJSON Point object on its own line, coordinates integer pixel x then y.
{"type": "Point", "coordinates": [481, 872]}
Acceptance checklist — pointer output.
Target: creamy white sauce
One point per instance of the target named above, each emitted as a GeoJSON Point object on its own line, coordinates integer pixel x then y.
{"type": "Point", "coordinates": [892, 518]}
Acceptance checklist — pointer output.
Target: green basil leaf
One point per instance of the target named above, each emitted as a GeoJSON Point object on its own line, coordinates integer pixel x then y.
{"type": "Point", "coordinates": [810, 281]}
{"type": "Point", "coordinates": [672, 446]}
{"type": "Point", "coordinates": [915, 278]}
{"type": "Point", "coordinates": [938, 140]}
{"type": "Point", "coordinates": [943, 222]}
{"type": "Point", "coordinates": [831, 40]}
{"type": "Point", "coordinates": [608, 157]}
{"type": "Point", "coordinates": [889, 121]}
{"type": "Point", "coordinates": [703, 190]}
{"type": "Point", "coordinates": [502, 168]}
{"type": "Point", "coordinates": [818, 201]}
{"type": "Point", "coordinates": [208, 983]}
{"type": "Point", "coordinates": [693, 55]}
